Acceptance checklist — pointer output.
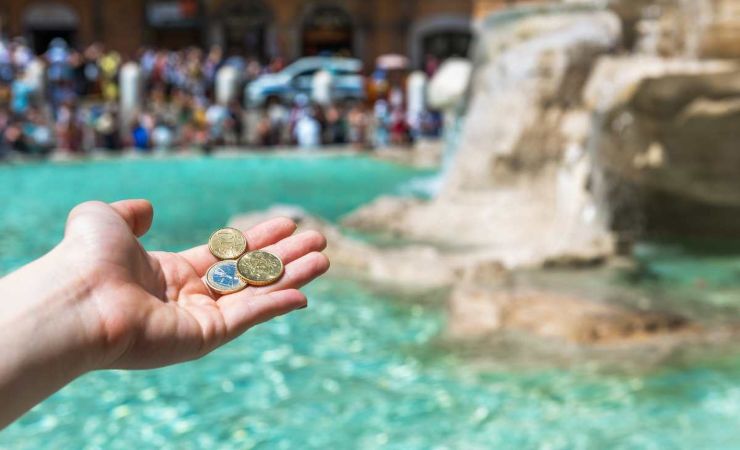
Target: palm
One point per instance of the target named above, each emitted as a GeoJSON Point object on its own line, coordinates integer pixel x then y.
{"type": "Point", "coordinates": [153, 307]}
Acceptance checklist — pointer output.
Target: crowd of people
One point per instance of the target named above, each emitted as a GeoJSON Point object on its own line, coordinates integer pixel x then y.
{"type": "Point", "coordinates": [67, 100]}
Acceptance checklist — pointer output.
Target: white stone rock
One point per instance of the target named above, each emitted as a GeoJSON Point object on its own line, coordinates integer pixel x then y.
{"type": "Point", "coordinates": [448, 86]}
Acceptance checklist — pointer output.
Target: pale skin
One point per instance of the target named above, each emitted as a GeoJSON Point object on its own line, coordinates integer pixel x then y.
{"type": "Point", "coordinates": [98, 300]}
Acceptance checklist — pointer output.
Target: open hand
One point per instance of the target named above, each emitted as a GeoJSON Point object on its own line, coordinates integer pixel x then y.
{"type": "Point", "coordinates": [149, 309]}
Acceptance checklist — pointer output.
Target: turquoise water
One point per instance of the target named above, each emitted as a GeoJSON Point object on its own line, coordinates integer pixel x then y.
{"type": "Point", "coordinates": [358, 369]}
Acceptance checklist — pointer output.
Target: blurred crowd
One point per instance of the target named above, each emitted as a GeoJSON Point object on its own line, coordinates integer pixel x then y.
{"type": "Point", "coordinates": [67, 100]}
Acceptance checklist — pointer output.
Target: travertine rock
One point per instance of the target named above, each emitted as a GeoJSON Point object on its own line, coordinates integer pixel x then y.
{"type": "Point", "coordinates": [417, 267]}
{"type": "Point", "coordinates": [448, 86]}
{"type": "Point", "coordinates": [517, 189]}
{"type": "Point", "coordinates": [478, 311]}
{"type": "Point", "coordinates": [667, 130]}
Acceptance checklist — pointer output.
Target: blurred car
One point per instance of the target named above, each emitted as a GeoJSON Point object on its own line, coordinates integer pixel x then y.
{"type": "Point", "coordinates": [297, 78]}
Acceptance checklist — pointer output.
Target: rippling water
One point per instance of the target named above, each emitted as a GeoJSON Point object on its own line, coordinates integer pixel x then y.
{"type": "Point", "coordinates": [358, 369]}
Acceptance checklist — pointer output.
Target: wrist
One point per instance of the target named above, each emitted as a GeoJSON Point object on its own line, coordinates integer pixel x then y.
{"type": "Point", "coordinates": [42, 314]}
{"type": "Point", "coordinates": [45, 341]}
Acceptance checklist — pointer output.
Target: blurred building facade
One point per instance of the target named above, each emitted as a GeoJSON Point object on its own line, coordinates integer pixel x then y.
{"type": "Point", "coordinates": [259, 28]}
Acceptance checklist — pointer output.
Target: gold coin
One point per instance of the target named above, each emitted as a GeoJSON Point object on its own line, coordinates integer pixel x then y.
{"type": "Point", "coordinates": [227, 243]}
{"type": "Point", "coordinates": [260, 268]}
{"type": "Point", "coordinates": [223, 278]}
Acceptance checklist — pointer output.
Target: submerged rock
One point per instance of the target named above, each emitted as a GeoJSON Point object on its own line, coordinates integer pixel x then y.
{"type": "Point", "coordinates": [412, 267]}
{"type": "Point", "coordinates": [485, 298]}
{"type": "Point", "coordinates": [478, 311]}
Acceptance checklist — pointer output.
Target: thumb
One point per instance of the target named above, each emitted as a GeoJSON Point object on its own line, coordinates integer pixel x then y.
{"type": "Point", "coordinates": [138, 214]}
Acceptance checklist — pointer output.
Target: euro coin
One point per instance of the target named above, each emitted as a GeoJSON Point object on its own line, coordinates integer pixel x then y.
{"type": "Point", "coordinates": [227, 243]}
{"type": "Point", "coordinates": [260, 268]}
{"type": "Point", "coordinates": [223, 278]}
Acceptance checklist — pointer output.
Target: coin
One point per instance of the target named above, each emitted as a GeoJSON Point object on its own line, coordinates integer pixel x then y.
{"type": "Point", "coordinates": [260, 268]}
{"type": "Point", "coordinates": [227, 243]}
{"type": "Point", "coordinates": [223, 278]}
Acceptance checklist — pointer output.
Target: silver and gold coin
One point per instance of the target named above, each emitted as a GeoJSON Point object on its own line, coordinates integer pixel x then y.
{"type": "Point", "coordinates": [260, 268]}
{"type": "Point", "coordinates": [223, 278]}
{"type": "Point", "coordinates": [227, 243]}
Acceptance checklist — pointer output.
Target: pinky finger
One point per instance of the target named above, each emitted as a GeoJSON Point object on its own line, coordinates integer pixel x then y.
{"type": "Point", "coordinates": [242, 311]}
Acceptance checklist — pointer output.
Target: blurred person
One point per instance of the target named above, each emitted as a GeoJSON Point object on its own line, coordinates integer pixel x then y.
{"type": "Point", "coordinates": [414, 125]}
{"type": "Point", "coordinates": [107, 303]}
{"type": "Point", "coordinates": [431, 65]}
{"type": "Point", "coordinates": [147, 60]}
{"type": "Point", "coordinates": [198, 132]}
{"type": "Point", "coordinates": [59, 75]}
{"type": "Point", "coordinates": [109, 64]}
{"type": "Point", "coordinates": [194, 74]}
{"type": "Point", "coordinates": [382, 124]}
{"type": "Point", "coordinates": [38, 132]}
{"type": "Point", "coordinates": [77, 66]}
{"type": "Point", "coordinates": [399, 127]}
{"type": "Point", "coordinates": [4, 124]}
{"type": "Point", "coordinates": [141, 132]}
{"type": "Point", "coordinates": [396, 98]}
{"type": "Point", "coordinates": [21, 53]}
{"type": "Point", "coordinates": [67, 127]}
{"type": "Point", "coordinates": [378, 86]}
{"type": "Point", "coordinates": [181, 105]}
{"type": "Point", "coordinates": [335, 131]}
{"type": "Point", "coordinates": [106, 128]}
{"type": "Point", "coordinates": [358, 124]}
{"type": "Point", "coordinates": [318, 113]}
{"type": "Point", "coordinates": [253, 70]}
{"type": "Point", "coordinates": [213, 62]}
{"type": "Point", "coordinates": [14, 137]}
{"type": "Point", "coordinates": [163, 139]}
{"type": "Point", "coordinates": [216, 117]}
{"type": "Point", "coordinates": [7, 71]}
{"type": "Point", "coordinates": [160, 106]}
{"type": "Point", "coordinates": [21, 93]}
{"type": "Point", "coordinates": [236, 128]}
{"type": "Point", "coordinates": [431, 124]}
{"type": "Point", "coordinates": [308, 130]}
{"type": "Point", "coordinates": [89, 115]}
{"type": "Point", "coordinates": [281, 123]}
{"type": "Point", "coordinates": [277, 64]}
{"type": "Point", "coordinates": [91, 70]}
{"type": "Point", "coordinates": [263, 129]}
{"type": "Point", "coordinates": [158, 74]}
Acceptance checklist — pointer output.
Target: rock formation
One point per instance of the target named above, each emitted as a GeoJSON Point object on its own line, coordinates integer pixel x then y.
{"type": "Point", "coordinates": [576, 137]}
{"type": "Point", "coordinates": [478, 312]}
{"type": "Point", "coordinates": [517, 190]}
{"type": "Point", "coordinates": [666, 129]}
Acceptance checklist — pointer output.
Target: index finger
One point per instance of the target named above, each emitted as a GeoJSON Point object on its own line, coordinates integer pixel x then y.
{"type": "Point", "coordinates": [261, 235]}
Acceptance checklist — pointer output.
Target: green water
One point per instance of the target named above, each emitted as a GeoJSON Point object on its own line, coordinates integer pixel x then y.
{"type": "Point", "coordinates": [358, 369]}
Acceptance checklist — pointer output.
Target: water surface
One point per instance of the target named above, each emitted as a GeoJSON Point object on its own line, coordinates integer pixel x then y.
{"type": "Point", "coordinates": [359, 369]}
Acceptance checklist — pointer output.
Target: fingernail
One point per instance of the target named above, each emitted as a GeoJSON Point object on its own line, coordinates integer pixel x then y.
{"type": "Point", "coordinates": [304, 306]}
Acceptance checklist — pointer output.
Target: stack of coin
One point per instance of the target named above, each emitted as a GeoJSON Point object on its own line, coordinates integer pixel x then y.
{"type": "Point", "coordinates": [237, 268]}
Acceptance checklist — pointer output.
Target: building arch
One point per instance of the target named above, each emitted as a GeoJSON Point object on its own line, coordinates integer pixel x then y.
{"type": "Point", "coordinates": [44, 21]}
{"type": "Point", "coordinates": [247, 28]}
{"type": "Point", "coordinates": [327, 28]}
{"type": "Point", "coordinates": [452, 31]}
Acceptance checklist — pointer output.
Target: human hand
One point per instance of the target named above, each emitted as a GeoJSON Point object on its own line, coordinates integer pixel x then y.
{"type": "Point", "coordinates": [99, 300]}
{"type": "Point", "coordinates": [150, 309]}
